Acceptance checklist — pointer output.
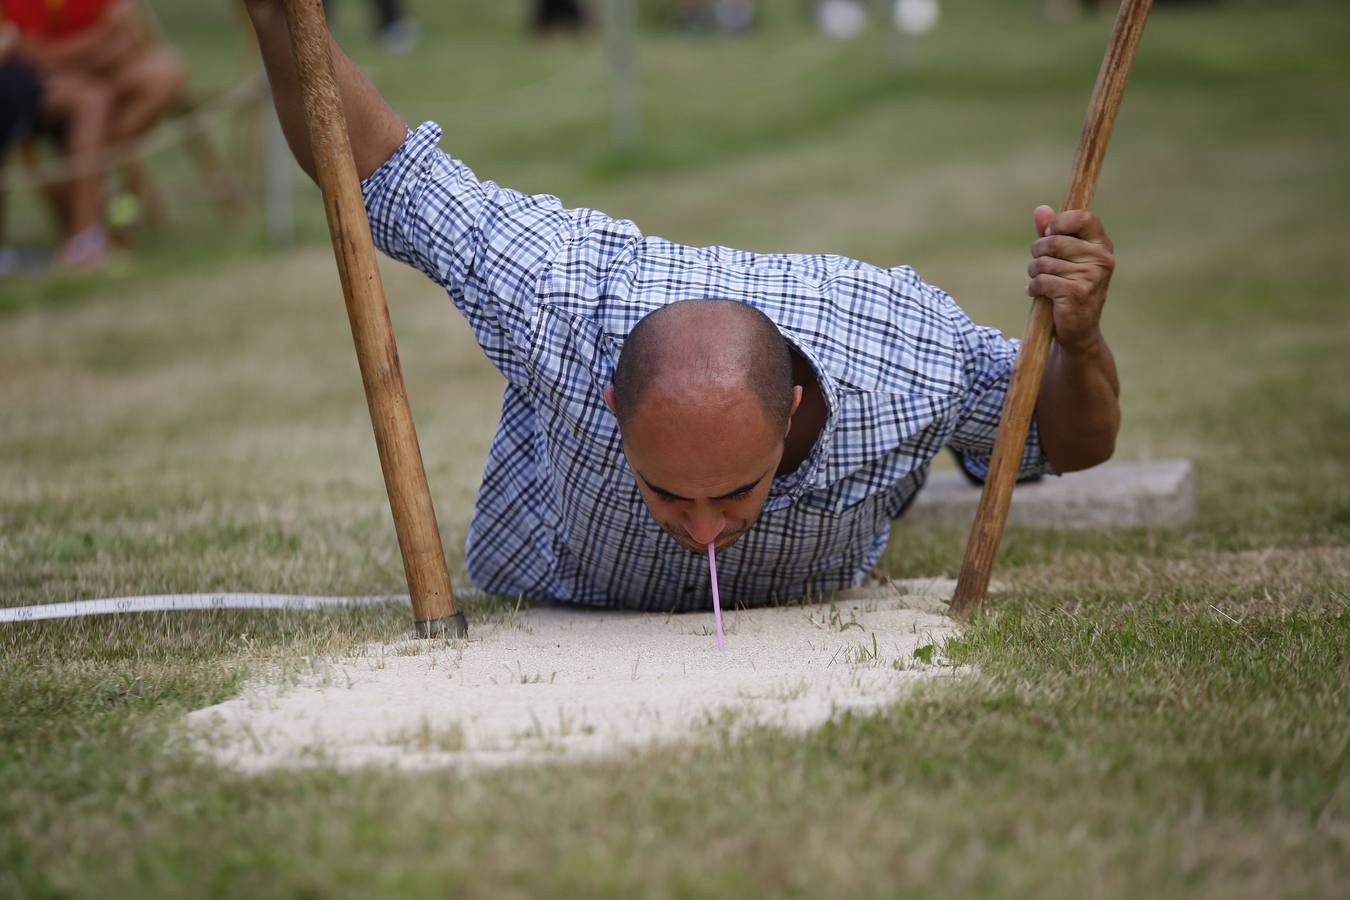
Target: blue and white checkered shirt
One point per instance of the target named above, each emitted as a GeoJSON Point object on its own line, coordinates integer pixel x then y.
{"type": "Point", "coordinates": [551, 293]}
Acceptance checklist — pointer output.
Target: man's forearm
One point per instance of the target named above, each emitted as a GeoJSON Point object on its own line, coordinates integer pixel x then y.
{"type": "Point", "coordinates": [1078, 409]}
{"type": "Point", "coordinates": [376, 131]}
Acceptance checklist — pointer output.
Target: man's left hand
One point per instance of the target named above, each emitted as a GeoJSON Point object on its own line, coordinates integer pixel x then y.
{"type": "Point", "coordinates": [1072, 268]}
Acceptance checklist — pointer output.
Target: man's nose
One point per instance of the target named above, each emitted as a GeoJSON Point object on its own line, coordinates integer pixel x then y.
{"type": "Point", "coordinates": [704, 526]}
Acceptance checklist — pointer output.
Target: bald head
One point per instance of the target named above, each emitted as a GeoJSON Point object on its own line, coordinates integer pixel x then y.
{"type": "Point", "coordinates": [705, 348]}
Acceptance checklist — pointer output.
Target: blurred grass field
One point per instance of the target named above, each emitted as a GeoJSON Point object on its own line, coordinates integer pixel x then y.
{"type": "Point", "coordinates": [1159, 713]}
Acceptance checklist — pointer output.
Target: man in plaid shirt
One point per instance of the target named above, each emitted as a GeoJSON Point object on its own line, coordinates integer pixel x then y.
{"type": "Point", "coordinates": [661, 398]}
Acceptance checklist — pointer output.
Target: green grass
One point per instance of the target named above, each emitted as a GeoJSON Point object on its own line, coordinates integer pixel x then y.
{"type": "Point", "coordinates": [1154, 713]}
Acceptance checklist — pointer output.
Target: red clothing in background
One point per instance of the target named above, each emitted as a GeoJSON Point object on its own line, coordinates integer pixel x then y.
{"type": "Point", "coordinates": [52, 20]}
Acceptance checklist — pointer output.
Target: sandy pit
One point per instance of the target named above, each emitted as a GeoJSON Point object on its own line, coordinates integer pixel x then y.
{"type": "Point", "coordinates": [550, 683]}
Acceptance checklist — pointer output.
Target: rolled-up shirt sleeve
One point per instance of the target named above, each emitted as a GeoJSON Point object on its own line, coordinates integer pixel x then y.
{"type": "Point", "coordinates": [987, 367]}
{"type": "Point", "coordinates": [486, 245]}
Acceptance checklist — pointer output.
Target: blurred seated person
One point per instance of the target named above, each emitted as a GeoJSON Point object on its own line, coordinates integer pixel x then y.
{"type": "Point", "coordinates": [107, 40]}
{"type": "Point", "coordinates": [77, 108]}
{"type": "Point", "coordinates": [396, 30]}
{"type": "Point", "coordinates": [105, 82]}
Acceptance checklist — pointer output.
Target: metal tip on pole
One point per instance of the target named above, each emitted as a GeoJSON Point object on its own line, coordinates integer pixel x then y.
{"type": "Point", "coordinates": [455, 626]}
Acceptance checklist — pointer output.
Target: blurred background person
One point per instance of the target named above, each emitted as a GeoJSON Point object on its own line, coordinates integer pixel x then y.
{"type": "Point", "coordinates": [555, 16]}
{"type": "Point", "coordinates": [105, 81]}
{"type": "Point", "coordinates": [841, 19]}
{"type": "Point", "coordinates": [20, 96]}
{"type": "Point", "coordinates": [74, 108]}
{"type": "Point", "coordinates": [395, 29]}
{"type": "Point", "coordinates": [717, 15]}
{"type": "Point", "coordinates": [108, 41]}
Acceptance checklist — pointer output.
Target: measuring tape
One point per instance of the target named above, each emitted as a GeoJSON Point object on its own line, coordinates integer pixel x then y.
{"type": "Point", "coordinates": [173, 602]}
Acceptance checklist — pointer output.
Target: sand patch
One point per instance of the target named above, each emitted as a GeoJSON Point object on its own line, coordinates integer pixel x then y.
{"type": "Point", "coordinates": [556, 683]}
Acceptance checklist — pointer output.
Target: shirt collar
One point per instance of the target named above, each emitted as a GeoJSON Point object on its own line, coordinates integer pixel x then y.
{"type": "Point", "coordinates": [787, 488]}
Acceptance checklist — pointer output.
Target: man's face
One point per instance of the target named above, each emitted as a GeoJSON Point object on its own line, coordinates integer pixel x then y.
{"type": "Point", "coordinates": [704, 476]}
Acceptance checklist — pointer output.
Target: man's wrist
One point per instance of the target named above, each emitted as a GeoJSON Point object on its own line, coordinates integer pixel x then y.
{"type": "Point", "coordinates": [1085, 348]}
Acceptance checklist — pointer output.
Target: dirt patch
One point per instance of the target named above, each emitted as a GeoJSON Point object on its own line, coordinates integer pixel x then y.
{"type": "Point", "coordinates": [552, 683]}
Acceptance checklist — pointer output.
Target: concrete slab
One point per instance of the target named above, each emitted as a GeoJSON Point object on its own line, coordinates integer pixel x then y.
{"type": "Point", "coordinates": [1115, 495]}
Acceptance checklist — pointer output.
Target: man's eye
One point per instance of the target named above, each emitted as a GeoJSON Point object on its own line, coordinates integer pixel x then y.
{"type": "Point", "coordinates": [740, 495]}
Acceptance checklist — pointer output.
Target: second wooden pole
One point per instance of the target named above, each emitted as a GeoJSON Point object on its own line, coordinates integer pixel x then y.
{"type": "Point", "coordinates": [1020, 402]}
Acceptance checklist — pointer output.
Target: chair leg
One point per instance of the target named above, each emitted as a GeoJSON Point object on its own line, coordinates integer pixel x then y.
{"type": "Point", "coordinates": [220, 183]}
{"type": "Point", "coordinates": [53, 193]}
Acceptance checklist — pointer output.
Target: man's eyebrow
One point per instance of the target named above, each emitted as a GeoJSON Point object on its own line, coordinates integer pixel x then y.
{"type": "Point", "coordinates": [674, 496]}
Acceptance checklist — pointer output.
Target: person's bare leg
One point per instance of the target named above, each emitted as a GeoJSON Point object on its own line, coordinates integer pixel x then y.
{"type": "Point", "coordinates": [83, 107]}
{"type": "Point", "coordinates": [145, 88]}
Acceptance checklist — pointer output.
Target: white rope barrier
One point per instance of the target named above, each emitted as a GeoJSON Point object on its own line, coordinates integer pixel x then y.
{"type": "Point", "coordinates": [176, 602]}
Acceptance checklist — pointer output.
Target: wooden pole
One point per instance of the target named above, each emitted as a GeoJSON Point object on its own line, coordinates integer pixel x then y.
{"type": "Point", "coordinates": [1020, 402]}
{"type": "Point", "coordinates": [419, 540]}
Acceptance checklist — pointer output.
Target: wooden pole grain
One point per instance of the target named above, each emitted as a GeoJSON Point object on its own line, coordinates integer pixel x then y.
{"type": "Point", "coordinates": [1020, 402]}
{"type": "Point", "coordinates": [405, 480]}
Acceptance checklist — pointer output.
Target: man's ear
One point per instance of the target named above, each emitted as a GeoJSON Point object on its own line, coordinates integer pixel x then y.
{"type": "Point", "coordinates": [796, 402]}
{"type": "Point", "coordinates": [609, 399]}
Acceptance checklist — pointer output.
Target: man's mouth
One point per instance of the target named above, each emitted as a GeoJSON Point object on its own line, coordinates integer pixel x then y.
{"type": "Point", "coordinates": [688, 543]}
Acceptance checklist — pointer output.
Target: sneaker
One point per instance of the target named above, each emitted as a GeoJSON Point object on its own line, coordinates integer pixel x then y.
{"type": "Point", "coordinates": [85, 250]}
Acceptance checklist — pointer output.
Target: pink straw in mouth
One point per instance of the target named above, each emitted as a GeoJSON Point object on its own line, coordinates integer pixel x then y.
{"type": "Point", "coordinates": [717, 601]}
